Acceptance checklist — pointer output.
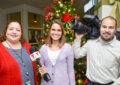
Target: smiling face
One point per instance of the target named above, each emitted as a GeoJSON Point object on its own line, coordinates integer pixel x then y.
{"type": "Point", "coordinates": [107, 29]}
{"type": "Point", "coordinates": [55, 32]}
{"type": "Point", "coordinates": [13, 33]}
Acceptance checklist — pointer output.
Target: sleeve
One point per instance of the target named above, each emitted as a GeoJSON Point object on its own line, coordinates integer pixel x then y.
{"type": "Point", "coordinates": [117, 81]}
{"type": "Point", "coordinates": [70, 66]}
{"type": "Point", "coordinates": [79, 51]}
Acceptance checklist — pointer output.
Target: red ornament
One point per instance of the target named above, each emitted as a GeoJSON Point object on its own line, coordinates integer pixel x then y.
{"type": "Point", "coordinates": [41, 36]}
{"type": "Point", "coordinates": [85, 81]}
{"type": "Point", "coordinates": [66, 18]}
{"type": "Point", "coordinates": [78, 17]}
{"type": "Point", "coordinates": [64, 2]}
{"type": "Point", "coordinates": [45, 35]}
{"type": "Point", "coordinates": [55, 2]}
{"type": "Point", "coordinates": [39, 39]}
{"type": "Point", "coordinates": [75, 77]}
{"type": "Point", "coordinates": [47, 17]}
{"type": "Point", "coordinates": [47, 9]}
{"type": "Point", "coordinates": [79, 70]}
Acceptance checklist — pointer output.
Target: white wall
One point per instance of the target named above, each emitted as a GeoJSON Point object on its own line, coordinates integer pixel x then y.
{"type": "Point", "coordinates": [104, 11]}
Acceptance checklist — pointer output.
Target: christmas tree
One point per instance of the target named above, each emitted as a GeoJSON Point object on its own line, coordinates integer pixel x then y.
{"type": "Point", "coordinates": [65, 11]}
{"type": "Point", "coordinates": [80, 68]}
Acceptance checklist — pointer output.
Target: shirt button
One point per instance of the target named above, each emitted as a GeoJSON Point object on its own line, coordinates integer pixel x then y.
{"type": "Point", "coordinates": [52, 73]}
{"type": "Point", "coordinates": [51, 81]}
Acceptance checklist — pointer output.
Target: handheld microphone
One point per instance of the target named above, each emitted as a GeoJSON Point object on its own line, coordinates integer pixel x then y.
{"type": "Point", "coordinates": [35, 55]}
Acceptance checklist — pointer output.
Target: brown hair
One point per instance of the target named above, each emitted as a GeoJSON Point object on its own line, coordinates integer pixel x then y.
{"type": "Point", "coordinates": [3, 35]}
{"type": "Point", "coordinates": [62, 39]}
{"type": "Point", "coordinates": [110, 17]}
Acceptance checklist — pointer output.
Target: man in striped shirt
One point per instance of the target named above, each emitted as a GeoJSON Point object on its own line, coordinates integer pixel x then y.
{"type": "Point", "coordinates": [103, 54]}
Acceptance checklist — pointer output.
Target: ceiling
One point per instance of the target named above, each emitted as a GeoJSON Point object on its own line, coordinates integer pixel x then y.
{"type": "Point", "coordinates": [36, 3]}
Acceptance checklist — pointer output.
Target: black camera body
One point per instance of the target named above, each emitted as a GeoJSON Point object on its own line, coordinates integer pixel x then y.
{"type": "Point", "coordinates": [88, 25]}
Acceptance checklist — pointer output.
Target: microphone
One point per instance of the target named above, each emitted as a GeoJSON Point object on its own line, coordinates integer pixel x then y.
{"type": "Point", "coordinates": [35, 55]}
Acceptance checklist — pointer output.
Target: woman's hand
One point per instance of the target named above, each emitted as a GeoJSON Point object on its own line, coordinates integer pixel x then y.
{"type": "Point", "coordinates": [42, 70]}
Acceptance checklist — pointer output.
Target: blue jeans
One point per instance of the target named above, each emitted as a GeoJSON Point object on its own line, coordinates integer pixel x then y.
{"type": "Point", "coordinates": [89, 83]}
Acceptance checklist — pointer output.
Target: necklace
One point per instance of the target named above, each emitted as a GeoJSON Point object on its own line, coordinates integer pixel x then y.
{"type": "Point", "coordinates": [28, 82]}
{"type": "Point", "coordinates": [19, 56]}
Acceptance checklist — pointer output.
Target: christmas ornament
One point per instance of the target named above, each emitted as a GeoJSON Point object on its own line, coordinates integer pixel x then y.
{"type": "Point", "coordinates": [69, 10]}
{"type": "Point", "coordinates": [41, 36]}
{"type": "Point", "coordinates": [85, 81]}
{"type": "Point", "coordinates": [79, 70]}
{"type": "Point", "coordinates": [45, 35]}
{"type": "Point", "coordinates": [47, 25]}
{"type": "Point", "coordinates": [74, 9]}
{"type": "Point", "coordinates": [61, 5]}
{"type": "Point", "coordinates": [57, 15]}
{"type": "Point", "coordinates": [79, 81]}
{"type": "Point", "coordinates": [47, 17]}
{"type": "Point", "coordinates": [63, 12]}
{"type": "Point", "coordinates": [71, 38]}
{"type": "Point", "coordinates": [75, 77]}
{"type": "Point", "coordinates": [57, 11]}
{"type": "Point", "coordinates": [47, 30]}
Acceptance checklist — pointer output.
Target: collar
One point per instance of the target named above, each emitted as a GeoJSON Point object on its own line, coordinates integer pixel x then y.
{"type": "Point", "coordinates": [112, 42]}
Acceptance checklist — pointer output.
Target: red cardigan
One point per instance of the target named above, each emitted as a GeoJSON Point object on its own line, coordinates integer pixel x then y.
{"type": "Point", "coordinates": [9, 68]}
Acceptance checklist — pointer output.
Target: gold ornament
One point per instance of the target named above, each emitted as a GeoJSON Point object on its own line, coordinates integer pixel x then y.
{"type": "Point", "coordinates": [67, 32]}
{"type": "Point", "coordinates": [61, 5]}
{"type": "Point", "coordinates": [64, 32]}
{"type": "Point", "coordinates": [47, 30]}
{"type": "Point", "coordinates": [69, 10]}
{"type": "Point", "coordinates": [57, 15]}
{"type": "Point", "coordinates": [59, 2]}
{"type": "Point", "coordinates": [57, 11]}
{"type": "Point", "coordinates": [79, 81]}
{"type": "Point", "coordinates": [74, 9]}
{"type": "Point", "coordinates": [43, 40]}
{"type": "Point", "coordinates": [65, 8]}
{"type": "Point", "coordinates": [47, 25]}
{"type": "Point", "coordinates": [71, 38]}
{"type": "Point", "coordinates": [63, 12]}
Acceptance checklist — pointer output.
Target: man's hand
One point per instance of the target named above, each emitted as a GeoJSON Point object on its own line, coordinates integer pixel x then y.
{"type": "Point", "coordinates": [78, 36]}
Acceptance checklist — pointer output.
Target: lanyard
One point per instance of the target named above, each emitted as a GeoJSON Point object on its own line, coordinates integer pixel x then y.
{"type": "Point", "coordinates": [26, 73]}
